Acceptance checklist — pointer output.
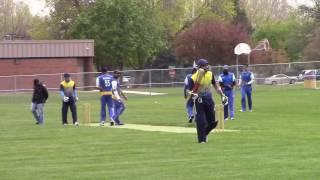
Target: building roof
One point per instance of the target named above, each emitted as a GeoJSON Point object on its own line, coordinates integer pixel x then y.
{"type": "Point", "coordinates": [46, 48]}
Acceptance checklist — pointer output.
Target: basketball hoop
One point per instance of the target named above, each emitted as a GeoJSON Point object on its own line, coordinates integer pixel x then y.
{"type": "Point", "coordinates": [263, 45]}
{"type": "Point", "coordinates": [242, 48]}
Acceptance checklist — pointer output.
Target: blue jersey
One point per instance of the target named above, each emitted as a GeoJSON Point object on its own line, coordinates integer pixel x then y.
{"type": "Point", "coordinates": [187, 79]}
{"type": "Point", "coordinates": [246, 77]}
{"type": "Point", "coordinates": [104, 82]}
{"type": "Point", "coordinates": [227, 81]}
{"type": "Point", "coordinates": [186, 84]}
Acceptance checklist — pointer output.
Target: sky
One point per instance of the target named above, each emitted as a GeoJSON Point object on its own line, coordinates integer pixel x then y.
{"type": "Point", "coordinates": [37, 7]}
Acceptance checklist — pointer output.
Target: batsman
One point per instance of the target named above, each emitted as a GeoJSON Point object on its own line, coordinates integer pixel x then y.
{"type": "Point", "coordinates": [200, 87]}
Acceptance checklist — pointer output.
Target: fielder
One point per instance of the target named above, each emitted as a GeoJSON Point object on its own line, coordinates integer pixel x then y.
{"type": "Point", "coordinates": [104, 84]}
{"type": "Point", "coordinates": [69, 97]}
{"type": "Point", "coordinates": [245, 83]}
{"type": "Point", "coordinates": [200, 88]}
{"type": "Point", "coordinates": [227, 81]}
{"type": "Point", "coordinates": [118, 98]}
{"type": "Point", "coordinates": [189, 104]}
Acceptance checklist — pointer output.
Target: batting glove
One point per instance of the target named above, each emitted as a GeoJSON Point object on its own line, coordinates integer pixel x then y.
{"type": "Point", "coordinates": [65, 99]}
{"type": "Point", "coordinates": [224, 100]}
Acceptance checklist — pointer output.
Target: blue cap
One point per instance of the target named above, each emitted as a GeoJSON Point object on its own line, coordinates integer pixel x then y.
{"type": "Point", "coordinates": [225, 67]}
{"type": "Point", "coordinates": [202, 62]}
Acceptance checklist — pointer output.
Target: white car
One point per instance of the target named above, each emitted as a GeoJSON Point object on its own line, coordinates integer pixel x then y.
{"type": "Point", "coordinates": [126, 81]}
{"type": "Point", "coordinates": [280, 79]}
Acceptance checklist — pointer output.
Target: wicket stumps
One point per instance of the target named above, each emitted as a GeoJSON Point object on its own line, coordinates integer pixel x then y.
{"type": "Point", "coordinates": [219, 110]}
{"type": "Point", "coordinates": [86, 113]}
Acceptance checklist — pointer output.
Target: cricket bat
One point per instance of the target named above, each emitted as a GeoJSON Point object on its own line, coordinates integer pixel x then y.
{"type": "Point", "coordinates": [197, 81]}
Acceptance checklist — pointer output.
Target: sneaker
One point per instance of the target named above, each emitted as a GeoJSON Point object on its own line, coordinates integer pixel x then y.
{"type": "Point", "coordinates": [226, 119]}
{"type": "Point", "coordinates": [242, 110]}
{"type": "Point", "coordinates": [65, 124]}
{"type": "Point", "coordinates": [250, 110]}
{"type": "Point", "coordinates": [111, 123]}
{"type": "Point", "coordinates": [202, 142]}
{"type": "Point", "coordinates": [76, 123]}
{"type": "Point", "coordinates": [191, 119]}
{"type": "Point", "coordinates": [102, 123]}
{"type": "Point", "coordinates": [119, 124]}
{"type": "Point", "coordinates": [232, 118]}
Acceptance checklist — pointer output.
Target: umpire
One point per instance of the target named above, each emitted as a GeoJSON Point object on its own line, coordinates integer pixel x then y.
{"type": "Point", "coordinates": [69, 98]}
{"type": "Point", "coordinates": [201, 91]}
{"type": "Point", "coordinates": [39, 97]}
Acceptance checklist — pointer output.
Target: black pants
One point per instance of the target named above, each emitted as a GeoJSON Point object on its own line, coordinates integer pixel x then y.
{"type": "Point", "coordinates": [73, 108]}
{"type": "Point", "coordinates": [205, 117]}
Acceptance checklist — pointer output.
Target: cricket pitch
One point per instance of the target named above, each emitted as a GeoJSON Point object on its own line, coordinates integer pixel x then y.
{"type": "Point", "coordinates": [169, 129]}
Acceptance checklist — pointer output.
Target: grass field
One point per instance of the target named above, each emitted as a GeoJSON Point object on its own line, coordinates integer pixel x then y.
{"type": "Point", "coordinates": [279, 140]}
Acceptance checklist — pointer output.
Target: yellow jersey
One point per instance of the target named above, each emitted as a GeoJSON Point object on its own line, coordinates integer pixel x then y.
{"type": "Point", "coordinates": [67, 87]}
{"type": "Point", "coordinates": [206, 82]}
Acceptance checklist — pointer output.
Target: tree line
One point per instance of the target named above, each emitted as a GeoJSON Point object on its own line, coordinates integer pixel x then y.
{"type": "Point", "coordinates": [140, 34]}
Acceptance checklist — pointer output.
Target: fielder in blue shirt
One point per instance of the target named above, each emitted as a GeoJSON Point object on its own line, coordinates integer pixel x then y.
{"type": "Point", "coordinates": [104, 84]}
{"type": "Point", "coordinates": [245, 83]}
{"type": "Point", "coordinates": [227, 81]}
{"type": "Point", "coordinates": [190, 103]}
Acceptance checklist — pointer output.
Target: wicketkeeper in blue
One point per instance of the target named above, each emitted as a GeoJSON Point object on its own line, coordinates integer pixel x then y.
{"type": "Point", "coordinates": [104, 84]}
{"type": "Point", "coordinates": [118, 98]}
{"type": "Point", "coordinates": [189, 104]}
{"type": "Point", "coordinates": [245, 83]}
{"type": "Point", "coordinates": [227, 81]}
{"type": "Point", "coordinates": [200, 86]}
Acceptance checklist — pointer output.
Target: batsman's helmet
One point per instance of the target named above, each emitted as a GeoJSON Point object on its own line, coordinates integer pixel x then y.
{"type": "Point", "coordinates": [202, 62]}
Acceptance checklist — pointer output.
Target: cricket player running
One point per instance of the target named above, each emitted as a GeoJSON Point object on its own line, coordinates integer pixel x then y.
{"type": "Point", "coordinates": [104, 84]}
{"type": "Point", "coordinates": [245, 83]}
{"type": "Point", "coordinates": [200, 90]}
{"type": "Point", "coordinates": [227, 81]}
{"type": "Point", "coordinates": [189, 104]}
{"type": "Point", "coordinates": [118, 98]}
{"type": "Point", "coordinates": [69, 98]}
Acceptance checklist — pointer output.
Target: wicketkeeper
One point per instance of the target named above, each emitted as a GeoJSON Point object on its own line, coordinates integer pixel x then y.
{"type": "Point", "coordinates": [200, 88]}
{"type": "Point", "coordinates": [69, 98]}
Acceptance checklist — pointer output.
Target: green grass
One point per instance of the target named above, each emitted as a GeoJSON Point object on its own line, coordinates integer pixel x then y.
{"type": "Point", "coordinates": [279, 140]}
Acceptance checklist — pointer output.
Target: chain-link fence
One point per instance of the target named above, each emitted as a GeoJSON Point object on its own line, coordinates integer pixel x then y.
{"type": "Point", "coordinates": [172, 77]}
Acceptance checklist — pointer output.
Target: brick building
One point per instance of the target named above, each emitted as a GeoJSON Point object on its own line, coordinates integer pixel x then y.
{"type": "Point", "coordinates": [19, 58]}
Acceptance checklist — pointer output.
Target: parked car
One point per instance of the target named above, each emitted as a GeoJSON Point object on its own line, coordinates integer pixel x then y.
{"type": "Point", "coordinates": [126, 81]}
{"type": "Point", "coordinates": [280, 79]}
{"type": "Point", "coordinates": [309, 73]}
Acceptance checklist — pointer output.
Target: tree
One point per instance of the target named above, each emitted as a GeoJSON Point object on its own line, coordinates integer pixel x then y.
{"type": "Point", "coordinates": [287, 38]}
{"type": "Point", "coordinates": [311, 51]}
{"type": "Point", "coordinates": [212, 40]}
{"type": "Point", "coordinates": [15, 19]}
{"type": "Point", "coordinates": [40, 28]}
{"type": "Point", "coordinates": [312, 12]}
{"type": "Point", "coordinates": [63, 14]}
{"type": "Point", "coordinates": [126, 32]}
{"type": "Point", "coordinates": [261, 12]}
